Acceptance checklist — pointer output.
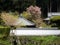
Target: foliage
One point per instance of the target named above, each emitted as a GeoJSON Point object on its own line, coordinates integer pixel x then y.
{"type": "Point", "coordinates": [41, 40]}
{"type": "Point", "coordinates": [15, 5]}
{"type": "Point", "coordinates": [55, 21]}
{"type": "Point", "coordinates": [26, 15]}
{"type": "Point", "coordinates": [5, 42]}
{"type": "Point", "coordinates": [11, 19]}
{"type": "Point", "coordinates": [35, 11]}
{"type": "Point", "coordinates": [15, 14]}
{"type": "Point", "coordinates": [44, 4]}
{"type": "Point", "coordinates": [1, 21]}
{"type": "Point", "coordinates": [4, 31]}
{"type": "Point", "coordinates": [55, 18]}
{"type": "Point", "coordinates": [8, 19]}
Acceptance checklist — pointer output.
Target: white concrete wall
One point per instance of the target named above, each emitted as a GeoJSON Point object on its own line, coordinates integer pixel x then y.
{"type": "Point", "coordinates": [36, 32]}
{"type": "Point", "coordinates": [53, 14]}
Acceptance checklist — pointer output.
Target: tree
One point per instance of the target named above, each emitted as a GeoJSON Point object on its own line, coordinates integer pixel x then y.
{"type": "Point", "coordinates": [44, 4]}
{"type": "Point", "coordinates": [15, 5]}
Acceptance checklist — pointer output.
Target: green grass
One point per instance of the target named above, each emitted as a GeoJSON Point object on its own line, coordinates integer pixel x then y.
{"type": "Point", "coordinates": [4, 30]}
{"type": "Point", "coordinates": [37, 38]}
{"type": "Point", "coordinates": [5, 42]}
{"type": "Point", "coordinates": [44, 40]}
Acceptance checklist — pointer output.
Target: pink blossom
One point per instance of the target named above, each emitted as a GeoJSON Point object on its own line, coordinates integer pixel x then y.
{"type": "Point", "coordinates": [34, 10]}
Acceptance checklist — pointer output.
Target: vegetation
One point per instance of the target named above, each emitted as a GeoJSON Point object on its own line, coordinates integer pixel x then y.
{"type": "Point", "coordinates": [40, 40]}
{"type": "Point", "coordinates": [4, 31]}
{"type": "Point", "coordinates": [4, 34]}
{"type": "Point", "coordinates": [4, 42]}
{"type": "Point", "coordinates": [8, 19]}
{"type": "Point", "coordinates": [55, 18]}
{"type": "Point", "coordinates": [27, 15]}
{"type": "Point", "coordinates": [55, 21]}
{"type": "Point", "coordinates": [16, 5]}
{"type": "Point", "coordinates": [35, 12]}
{"type": "Point", "coordinates": [30, 11]}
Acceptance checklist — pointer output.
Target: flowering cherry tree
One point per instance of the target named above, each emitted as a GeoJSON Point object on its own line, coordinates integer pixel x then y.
{"type": "Point", "coordinates": [35, 11]}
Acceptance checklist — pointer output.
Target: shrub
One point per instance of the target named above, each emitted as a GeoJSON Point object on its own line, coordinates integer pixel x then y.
{"type": "Point", "coordinates": [4, 31]}
{"type": "Point", "coordinates": [55, 20]}
{"type": "Point", "coordinates": [1, 21]}
{"type": "Point", "coordinates": [26, 15]}
{"type": "Point", "coordinates": [8, 19]}
{"type": "Point", "coordinates": [16, 14]}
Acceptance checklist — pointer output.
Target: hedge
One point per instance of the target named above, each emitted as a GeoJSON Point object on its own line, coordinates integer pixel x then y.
{"type": "Point", "coordinates": [4, 31]}
{"type": "Point", "coordinates": [55, 21]}
{"type": "Point", "coordinates": [54, 18]}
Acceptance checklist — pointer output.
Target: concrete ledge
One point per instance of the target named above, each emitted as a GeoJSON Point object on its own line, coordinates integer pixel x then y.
{"type": "Point", "coordinates": [35, 32]}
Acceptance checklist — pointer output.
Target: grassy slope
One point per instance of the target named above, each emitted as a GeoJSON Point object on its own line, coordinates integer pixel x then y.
{"type": "Point", "coordinates": [44, 40]}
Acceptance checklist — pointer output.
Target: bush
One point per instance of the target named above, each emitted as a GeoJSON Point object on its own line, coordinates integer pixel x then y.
{"type": "Point", "coordinates": [26, 15]}
{"type": "Point", "coordinates": [8, 18]}
{"type": "Point", "coordinates": [4, 31]}
{"type": "Point", "coordinates": [1, 21]}
{"type": "Point", "coordinates": [55, 20]}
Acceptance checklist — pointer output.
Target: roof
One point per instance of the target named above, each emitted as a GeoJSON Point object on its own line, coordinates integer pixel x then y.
{"type": "Point", "coordinates": [23, 22]}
